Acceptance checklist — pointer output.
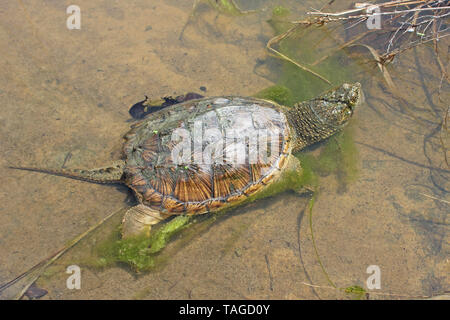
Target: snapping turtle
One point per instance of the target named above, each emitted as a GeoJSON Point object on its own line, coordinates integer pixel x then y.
{"type": "Point", "coordinates": [207, 154]}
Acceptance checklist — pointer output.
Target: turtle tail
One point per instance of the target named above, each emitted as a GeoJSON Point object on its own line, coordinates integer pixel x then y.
{"type": "Point", "coordinates": [107, 175]}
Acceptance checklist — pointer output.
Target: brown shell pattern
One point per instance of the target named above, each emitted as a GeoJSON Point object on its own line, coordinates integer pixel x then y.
{"type": "Point", "coordinates": [198, 156]}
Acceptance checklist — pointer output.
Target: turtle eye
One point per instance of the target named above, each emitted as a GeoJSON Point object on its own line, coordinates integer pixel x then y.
{"type": "Point", "coordinates": [346, 114]}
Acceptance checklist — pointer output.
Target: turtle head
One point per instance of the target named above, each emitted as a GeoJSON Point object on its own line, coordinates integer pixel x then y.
{"type": "Point", "coordinates": [335, 107]}
{"type": "Point", "coordinates": [323, 116]}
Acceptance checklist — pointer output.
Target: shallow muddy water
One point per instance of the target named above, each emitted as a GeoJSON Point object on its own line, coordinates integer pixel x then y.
{"type": "Point", "coordinates": [65, 96]}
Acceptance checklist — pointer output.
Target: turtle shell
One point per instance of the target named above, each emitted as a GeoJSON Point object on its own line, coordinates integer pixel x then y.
{"type": "Point", "coordinates": [205, 154]}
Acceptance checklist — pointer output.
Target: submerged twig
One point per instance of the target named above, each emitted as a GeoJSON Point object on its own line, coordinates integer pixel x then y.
{"type": "Point", "coordinates": [270, 273]}
{"type": "Point", "coordinates": [311, 205]}
{"type": "Point", "coordinates": [434, 198]}
{"type": "Point", "coordinates": [444, 127]}
{"type": "Point", "coordinates": [381, 65]}
{"type": "Point", "coordinates": [280, 37]}
{"type": "Point", "coordinates": [377, 293]}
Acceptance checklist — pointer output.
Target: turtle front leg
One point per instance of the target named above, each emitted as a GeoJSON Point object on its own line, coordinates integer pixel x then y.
{"type": "Point", "coordinates": [142, 108]}
{"type": "Point", "coordinates": [295, 172]}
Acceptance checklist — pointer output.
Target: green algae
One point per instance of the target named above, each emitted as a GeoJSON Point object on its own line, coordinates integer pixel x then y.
{"type": "Point", "coordinates": [292, 180]}
{"type": "Point", "coordinates": [304, 85]}
{"type": "Point", "coordinates": [139, 252]}
{"type": "Point", "coordinates": [355, 292]}
{"type": "Point", "coordinates": [278, 93]}
{"type": "Point", "coordinates": [228, 7]}
{"type": "Point", "coordinates": [279, 20]}
{"type": "Point", "coordinates": [305, 45]}
{"type": "Point", "coordinates": [280, 12]}
{"type": "Point", "coordinates": [339, 157]}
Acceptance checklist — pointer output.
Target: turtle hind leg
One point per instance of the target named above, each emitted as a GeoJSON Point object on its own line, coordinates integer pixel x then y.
{"type": "Point", "coordinates": [138, 220]}
{"type": "Point", "coordinates": [109, 174]}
